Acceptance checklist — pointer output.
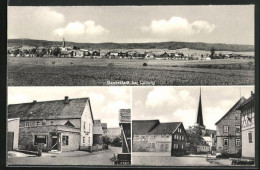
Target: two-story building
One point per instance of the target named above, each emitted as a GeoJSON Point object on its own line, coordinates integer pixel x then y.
{"type": "Point", "coordinates": [229, 131]}
{"type": "Point", "coordinates": [153, 136]}
{"type": "Point", "coordinates": [60, 125]}
{"type": "Point", "coordinates": [248, 126]}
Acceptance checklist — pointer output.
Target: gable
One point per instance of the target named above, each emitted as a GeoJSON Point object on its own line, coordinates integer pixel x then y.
{"type": "Point", "coordinates": [68, 123]}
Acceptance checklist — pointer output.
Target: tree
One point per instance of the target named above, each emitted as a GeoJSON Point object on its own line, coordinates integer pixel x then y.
{"type": "Point", "coordinates": [212, 52]}
{"type": "Point", "coordinates": [106, 140]}
{"type": "Point", "coordinates": [56, 51]}
{"type": "Point", "coordinates": [117, 142]}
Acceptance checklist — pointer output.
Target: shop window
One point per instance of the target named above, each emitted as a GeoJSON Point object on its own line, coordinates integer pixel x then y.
{"type": "Point", "coordinates": [40, 139]}
{"type": "Point", "coordinates": [65, 140]}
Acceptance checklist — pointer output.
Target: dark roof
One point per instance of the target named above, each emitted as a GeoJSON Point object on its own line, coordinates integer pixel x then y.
{"type": "Point", "coordinates": [252, 97]}
{"type": "Point", "coordinates": [142, 127]}
{"type": "Point", "coordinates": [97, 128]}
{"type": "Point", "coordinates": [209, 132]}
{"type": "Point", "coordinates": [56, 109]}
{"type": "Point", "coordinates": [236, 106]}
{"type": "Point", "coordinates": [165, 128]}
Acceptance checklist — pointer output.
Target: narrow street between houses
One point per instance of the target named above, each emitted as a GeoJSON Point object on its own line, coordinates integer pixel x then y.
{"type": "Point", "coordinates": [66, 158]}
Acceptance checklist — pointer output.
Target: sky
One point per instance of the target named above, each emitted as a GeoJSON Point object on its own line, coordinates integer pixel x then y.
{"type": "Point", "coordinates": [105, 101]}
{"type": "Point", "coordinates": [180, 104]}
{"type": "Point", "coordinates": [230, 24]}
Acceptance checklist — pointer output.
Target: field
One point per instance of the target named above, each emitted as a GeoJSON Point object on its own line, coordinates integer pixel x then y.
{"type": "Point", "coordinates": [92, 72]}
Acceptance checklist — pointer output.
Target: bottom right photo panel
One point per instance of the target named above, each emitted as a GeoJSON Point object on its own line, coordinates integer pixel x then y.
{"type": "Point", "coordinates": [193, 126]}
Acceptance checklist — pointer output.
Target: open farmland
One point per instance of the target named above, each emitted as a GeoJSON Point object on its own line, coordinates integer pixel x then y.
{"type": "Point", "coordinates": [92, 72]}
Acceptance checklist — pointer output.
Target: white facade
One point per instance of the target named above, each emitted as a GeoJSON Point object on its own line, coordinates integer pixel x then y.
{"type": "Point", "coordinates": [86, 129]}
{"type": "Point", "coordinates": [13, 126]}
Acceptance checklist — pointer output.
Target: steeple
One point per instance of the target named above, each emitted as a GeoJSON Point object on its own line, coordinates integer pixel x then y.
{"type": "Point", "coordinates": [199, 121]}
{"type": "Point", "coordinates": [63, 43]}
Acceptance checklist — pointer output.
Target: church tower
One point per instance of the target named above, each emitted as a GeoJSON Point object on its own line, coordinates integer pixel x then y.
{"type": "Point", "coordinates": [199, 121]}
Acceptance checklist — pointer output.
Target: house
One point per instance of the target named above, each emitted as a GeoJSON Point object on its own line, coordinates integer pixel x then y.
{"type": "Point", "coordinates": [60, 125]}
{"type": "Point", "coordinates": [125, 125]}
{"type": "Point", "coordinates": [247, 109]}
{"type": "Point", "coordinates": [97, 133]}
{"type": "Point", "coordinates": [13, 133]}
{"type": "Point", "coordinates": [229, 131]}
{"type": "Point", "coordinates": [153, 136]}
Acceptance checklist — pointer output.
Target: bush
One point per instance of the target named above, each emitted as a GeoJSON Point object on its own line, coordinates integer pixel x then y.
{"type": "Point", "coordinates": [145, 64]}
{"type": "Point", "coordinates": [117, 142]}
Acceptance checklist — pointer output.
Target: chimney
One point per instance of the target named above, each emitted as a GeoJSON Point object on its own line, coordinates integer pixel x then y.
{"type": "Point", "coordinates": [35, 101]}
{"type": "Point", "coordinates": [66, 99]}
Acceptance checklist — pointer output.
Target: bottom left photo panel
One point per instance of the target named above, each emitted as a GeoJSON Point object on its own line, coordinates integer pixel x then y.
{"type": "Point", "coordinates": [68, 126]}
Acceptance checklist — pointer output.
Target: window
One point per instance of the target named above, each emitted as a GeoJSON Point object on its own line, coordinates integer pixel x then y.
{"type": "Point", "coordinates": [84, 125]}
{"type": "Point", "coordinates": [180, 130]}
{"type": "Point", "coordinates": [238, 142]}
{"type": "Point", "coordinates": [250, 137]}
{"type": "Point", "coordinates": [83, 141]}
{"type": "Point", "coordinates": [181, 146]}
{"type": "Point", "coordinates": [177, 137]}
{"type": "Point", "coordinates": [238, 128]}
{"type": "Point", "coordinates": [38, 123]}
{"type": "Point", "coordinates": [225, 129]}
{"type": "Point", "coordinates": [226, 142]}
{"type": "Point", "coordinates": [166, 146]}
{"type": "Point", "coordinates": [27, 124]}
{"type": "Point", "coordinates": [88, 140]}
{"type": "Point", "coordinates": [65, 140]}
{"type": "Point", "coordinates": [40, 139]}
{"type": "Point", "coordinates": [177, 146]}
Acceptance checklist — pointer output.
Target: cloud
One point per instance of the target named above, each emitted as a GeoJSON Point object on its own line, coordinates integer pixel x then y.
{"type": "Point", "coordinates": [178, 25]}
{"type": "Point", "coordinates": [168, 96]}
{"type": "Point", "coordinates": [88, 28]}
{"type": "Point", "coordinates": [160, 96]}
{"type": "Point", "coordinates": [46, 15]}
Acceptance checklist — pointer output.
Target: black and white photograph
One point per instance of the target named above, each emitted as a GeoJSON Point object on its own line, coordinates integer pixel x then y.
{"type": "Point", "coordinates": [69, 126]}
{"type": "Point", "coordinates": [193, 126]}
{"type": "Point", "coordinates": [131, 84]}
{"type": "Point", "coordinates": [131, 45]}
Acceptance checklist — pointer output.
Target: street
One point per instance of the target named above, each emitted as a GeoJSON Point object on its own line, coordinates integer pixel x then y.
{"type": "Point", "coordinates": [67, 158]}
{"type": "Point", "coordinates": [190, 160]}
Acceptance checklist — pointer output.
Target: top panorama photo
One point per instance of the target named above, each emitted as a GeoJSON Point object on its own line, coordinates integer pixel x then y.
{"type": "Point", "coordinates": [131, 45]}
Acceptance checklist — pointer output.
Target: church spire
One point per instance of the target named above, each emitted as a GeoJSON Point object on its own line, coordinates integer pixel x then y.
{"type": "Point", "coordinates": [199, 121]}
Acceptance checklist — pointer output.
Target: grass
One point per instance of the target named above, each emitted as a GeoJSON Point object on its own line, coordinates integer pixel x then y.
{"type": "Point", "coordinates": [84, 72]}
